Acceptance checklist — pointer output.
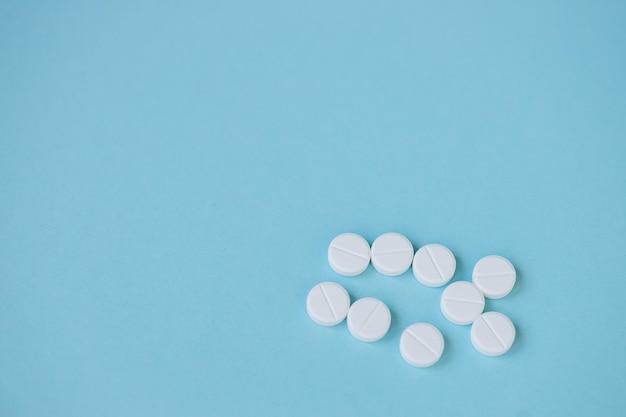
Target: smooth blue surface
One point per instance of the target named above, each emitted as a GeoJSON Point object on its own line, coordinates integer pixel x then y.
{"type": "Point", "coordinates": [171, 175]}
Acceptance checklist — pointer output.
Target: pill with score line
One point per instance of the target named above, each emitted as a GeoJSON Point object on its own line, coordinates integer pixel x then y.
{"type": "Point", "coordinates": [494, 276]}
{"type": "Point", "coordinates": [492, 333]}
{"type": "Point", "coordinates": [369, 319]}
{"type": "Point", "coordinates": [392, 254]}
{"type": "Point", "coordinates": [462, 302]}
{"type": "Point", "coordinates": [421, 344]}
{"type": "Point", "coordinates": [328, 303]}
{"type": "Point", "coordinates": [434, 265]}
{"type": "Point", "coordinates": [349, 254]}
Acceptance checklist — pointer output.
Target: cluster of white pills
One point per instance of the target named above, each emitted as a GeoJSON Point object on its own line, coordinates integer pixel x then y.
{"type": "Point", "coordinates": [434, 265]}
{"type": "Point", "coordinates": [328, 304]}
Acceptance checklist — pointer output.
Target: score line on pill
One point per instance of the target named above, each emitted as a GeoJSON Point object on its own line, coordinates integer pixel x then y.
{"type": "Point", "coordinates": [392, 254]}
{"type": "Point", "coordinates": [434, 265]}
{"type": "Point", "coordinates": [492, 333]}
{"type": "Point", "coordinates": [328, 303]}
{"type": "Point", "coordinates": [421, 344]}
{"type": "Point", "coordinates": [369, 319]}
{"type": "Point", "coordinates": [494, 276]}
{"type": "Point", "coordinates": [462, 302]}
{"type": "Point", "coordinates": [349, 254]}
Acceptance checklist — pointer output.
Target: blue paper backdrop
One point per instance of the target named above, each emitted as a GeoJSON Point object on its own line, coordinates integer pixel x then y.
{"type": "Point", "coordinates": [171, 174]}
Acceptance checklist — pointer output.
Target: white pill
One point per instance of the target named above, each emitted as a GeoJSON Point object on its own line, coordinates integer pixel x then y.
{"type": "Point", "coordinates": [349, 254]}
{"type": "Point", "coordinates": [434, 265]}
{"type": "Point", "coordinates": [494, 276]}
{"type": "Point", "coordinates": [369, 319]}
{"type": "Point", "coordinates": [328, 303]}
{"type": "Point", "coordinates": [493, 334]}
{"type": "Point", "coordinates": [421, 344]}
{"type": "Point", "coordinates": [462, 302]}
{"type": "Point", "coordinates": [392, 254]}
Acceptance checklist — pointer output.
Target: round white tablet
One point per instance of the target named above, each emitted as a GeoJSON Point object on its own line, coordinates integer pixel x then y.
{"type": "Point", "coordinates": [492, 333]}
{"type": "Point", "coordinates": [349, 254]}
{"type": "Point", "coordinates": [369, 319]}
{"type": "Point", "coordinates": [494, 276]}
{"type": "Point", "coordinates": [421, 344]}
{"type": "Point", "coordinates": [462, 302]}
{"type": "Point", "coordinates": [392, 254]}
{"type": "Point", "coordinates": [434, 265]}
{"type": "Point", "coordinates": [328, 303]}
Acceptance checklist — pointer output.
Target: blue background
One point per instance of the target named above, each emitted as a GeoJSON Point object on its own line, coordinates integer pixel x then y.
{"type": "Point", "coordinates": [171, 175]}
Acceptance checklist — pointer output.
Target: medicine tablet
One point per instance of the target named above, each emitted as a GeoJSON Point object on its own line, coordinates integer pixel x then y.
{"type": "Point", "coordinates": [493, 334]}
{"type": "Point", "coordinates": [421, 344]}
{"type": "Point", "coordinates": [462, 302]}
{"type": "Point", "coordinates": [392, 254]}
{"type": "Point", "coordinates": [349, 254]}
{"type": "Point", "coordinates": [328, 303]}
{"type": "Point", "coordinates": [494, 276]}
{"type": "Point", "coordinates": [434, 265]}
{"type": "Point", "coordinates": [369, 319]}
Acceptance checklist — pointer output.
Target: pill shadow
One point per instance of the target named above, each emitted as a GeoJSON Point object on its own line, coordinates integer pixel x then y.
{"type": "Point", "coordinates": [520, 340]}
{"type": "Point", "coordinates": [448, 352]}
{"type": "Point", "coordinates": [519, 283]}
{"type": "Point", "coordinates": [395, 328]}
{"type": "Point", "coordinates": [460, 273]}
